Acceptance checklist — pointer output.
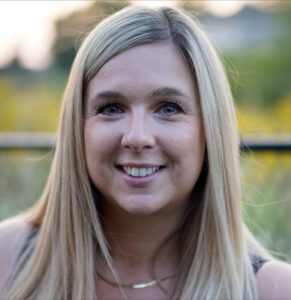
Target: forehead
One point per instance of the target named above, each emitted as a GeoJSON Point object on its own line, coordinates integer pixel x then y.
{"type": "Point", "coordinates": [147, 66]}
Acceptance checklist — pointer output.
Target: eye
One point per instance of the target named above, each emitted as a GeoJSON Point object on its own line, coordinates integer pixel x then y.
{"type": "Point", "coordinates": [170, 108]}
{"type": "Point", "coordinates": [110, 109]}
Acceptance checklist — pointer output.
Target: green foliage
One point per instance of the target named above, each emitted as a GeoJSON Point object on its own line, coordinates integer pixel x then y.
{"type": "Point", "coordinates": [29, 108]}
{"type": "Point", "coordinates": [273, 119]}
{"type": "Point", "coordinates": [261, 76]}
{"type": "Point", "coordinates": [23, 175]}
{"type": "Point", "coordinates": [267, 200]}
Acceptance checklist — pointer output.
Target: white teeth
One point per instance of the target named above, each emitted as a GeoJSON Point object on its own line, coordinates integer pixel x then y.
{"type": "Point", "coordinates": [134, 172]}
{"type": "Point", "coordinates": [140, 172]}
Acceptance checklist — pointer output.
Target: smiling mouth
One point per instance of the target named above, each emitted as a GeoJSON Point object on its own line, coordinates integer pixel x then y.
{"type": "Point", "coordinates": [139, 172]}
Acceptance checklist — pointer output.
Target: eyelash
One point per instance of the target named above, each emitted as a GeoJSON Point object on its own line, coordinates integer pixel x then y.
{"type": "Point", "coordinates": [102, 109]}
{"type": "Point", "coordinates": [172, 104]}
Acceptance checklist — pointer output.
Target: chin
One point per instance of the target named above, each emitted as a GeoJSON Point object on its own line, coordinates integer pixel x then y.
{"type": "Point", "coordinates": [142, 207]}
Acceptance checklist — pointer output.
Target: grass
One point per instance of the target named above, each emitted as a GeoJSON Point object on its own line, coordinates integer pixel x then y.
{"type": "Point", "coordinates": [23, 175]}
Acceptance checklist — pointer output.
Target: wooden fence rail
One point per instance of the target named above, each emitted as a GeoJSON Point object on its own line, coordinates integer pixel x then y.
{"type": "Point", "coordinates": [46, 141]}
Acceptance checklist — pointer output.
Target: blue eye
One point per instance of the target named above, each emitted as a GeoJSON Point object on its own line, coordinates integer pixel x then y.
{"type": "Point", "coordinates": [169, 108]}
{"type": "Point", "coordinates": [110, 109]}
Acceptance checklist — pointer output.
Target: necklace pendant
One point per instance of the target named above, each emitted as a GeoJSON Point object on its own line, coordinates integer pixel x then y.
{"type": "Point", "coordinates": [137, 285]}
{"type": "Point", "coordinates": [144, 285]}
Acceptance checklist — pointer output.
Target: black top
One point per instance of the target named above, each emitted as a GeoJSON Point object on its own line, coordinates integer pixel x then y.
{"type": "Point", "coordinates": [257, 261]}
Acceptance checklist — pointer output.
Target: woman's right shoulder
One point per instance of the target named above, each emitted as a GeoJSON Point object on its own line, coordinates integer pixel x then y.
{"type": "Point", "coordinates": [13, 233]}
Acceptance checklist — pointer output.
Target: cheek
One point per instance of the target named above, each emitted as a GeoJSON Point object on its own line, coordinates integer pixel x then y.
{"type": "Point", "coordinates": [184, 143]}
{"type": "Point", "coordinates": [100, 142]}
{"type": "Point", "coordinates": [196, 149]}
{"type": "Point", "coordinates": [186, 150]}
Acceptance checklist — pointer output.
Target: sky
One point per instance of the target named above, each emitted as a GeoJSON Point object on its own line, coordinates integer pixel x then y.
{"type": "Point", "coordinates": [26, 27]}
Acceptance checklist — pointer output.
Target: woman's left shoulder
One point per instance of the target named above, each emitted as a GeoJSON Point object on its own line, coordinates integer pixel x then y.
{"type": "Point", "coordinates": [274, 281]}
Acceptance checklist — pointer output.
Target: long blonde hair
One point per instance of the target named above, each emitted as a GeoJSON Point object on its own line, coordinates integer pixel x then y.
{"type": "Point", "coordinates": [216, 264]}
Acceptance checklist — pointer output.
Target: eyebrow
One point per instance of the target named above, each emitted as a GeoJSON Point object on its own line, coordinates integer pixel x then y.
{"type": "Point", "coordinates": [160, 92]}
{"type": "Point", "coordinates": [167, 92]}
{"type": "Point", "coordinates": [107, 95]}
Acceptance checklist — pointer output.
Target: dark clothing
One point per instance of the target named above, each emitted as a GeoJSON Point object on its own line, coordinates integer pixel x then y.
{"type": "Point", "coordinates": [257, 263]}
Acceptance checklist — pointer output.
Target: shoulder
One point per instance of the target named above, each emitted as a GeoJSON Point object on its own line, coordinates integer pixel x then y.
{"type": "Point", "coordinates": [13, 233]}
{"type": "Point", "coordinates": [273, 280]}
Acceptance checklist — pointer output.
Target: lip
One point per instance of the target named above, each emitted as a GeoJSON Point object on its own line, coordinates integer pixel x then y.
{"type": "Point", "coordinates": [139, 181]}
{"type": "Point", "coordinates": [139, 165]}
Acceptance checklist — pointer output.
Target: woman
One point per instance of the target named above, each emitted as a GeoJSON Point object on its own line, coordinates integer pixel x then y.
{"type": "Point", "coordinates": [143, 198]}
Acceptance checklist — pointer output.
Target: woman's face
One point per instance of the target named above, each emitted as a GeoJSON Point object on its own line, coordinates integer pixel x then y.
{"type": "Point", "coordinates": [144, 141]}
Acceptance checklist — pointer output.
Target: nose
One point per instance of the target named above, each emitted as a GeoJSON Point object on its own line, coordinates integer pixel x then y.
{"type": "Point", "coordinates": [138, 134]}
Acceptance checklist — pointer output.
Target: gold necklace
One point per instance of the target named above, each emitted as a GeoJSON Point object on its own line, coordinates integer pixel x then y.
{"type": "Point", "coordinates": [136, 285]}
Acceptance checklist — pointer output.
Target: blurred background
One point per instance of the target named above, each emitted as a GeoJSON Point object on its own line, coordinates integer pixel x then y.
{"type": "Point", "coordinates": [38, 42]}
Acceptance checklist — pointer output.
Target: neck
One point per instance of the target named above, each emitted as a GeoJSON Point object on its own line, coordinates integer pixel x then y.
{"type": "Point", "coordinates": [135, 240]}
